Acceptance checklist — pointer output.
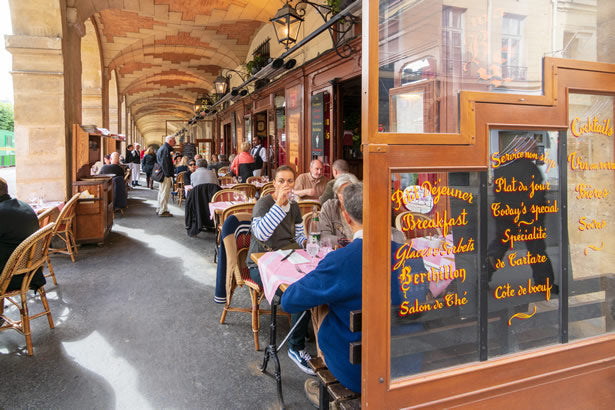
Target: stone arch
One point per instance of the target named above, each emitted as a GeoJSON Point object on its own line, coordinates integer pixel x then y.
{"type": "Point", "coordinates": [114, 117]}
{"type": "Point", "coordinates": [91, 77]}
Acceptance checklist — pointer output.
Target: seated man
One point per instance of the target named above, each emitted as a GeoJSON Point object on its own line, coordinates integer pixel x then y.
{"type": "Point", "coordinates": [277, 224]}
{"type": "Point", "coordinates": [18, 222]}
{"type": "Point", "coordinates": [333, 226]}
{"type": "Point", "coordinates": [339, 167]}
{"type": "Point", "coordinates": [337, 282]}
{"type": "Point", "coordinates": [113, 168]}
{"type": "Point", "coordinates": [202, 175]}
{"type": "Point", "coordinates": [311, 185]}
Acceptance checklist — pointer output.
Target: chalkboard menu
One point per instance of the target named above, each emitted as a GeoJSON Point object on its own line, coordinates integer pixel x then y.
{"type": "Point", "coordinates": [318, 136]}
{"type": "Point", "coordinates": [189, 150]}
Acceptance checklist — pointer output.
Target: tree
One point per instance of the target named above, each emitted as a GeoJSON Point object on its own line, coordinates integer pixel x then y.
{"type": "Point", "coordinates": [7, 117]}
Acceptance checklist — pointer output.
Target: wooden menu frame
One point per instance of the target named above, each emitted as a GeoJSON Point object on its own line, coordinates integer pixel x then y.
{"type": "Point", "coordinates": [584, 368]}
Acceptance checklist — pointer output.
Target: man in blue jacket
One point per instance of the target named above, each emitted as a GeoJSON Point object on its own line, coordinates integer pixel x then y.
{"type": "Point", "coordinates": [337, 282]}
{"type": "Point", "coordinates": [163, 157]}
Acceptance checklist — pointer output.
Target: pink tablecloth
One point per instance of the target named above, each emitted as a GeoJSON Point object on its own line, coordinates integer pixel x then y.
{"type": "Point", "coordinates": [275, 272]}
{"type": "Point", "coordinates": [221, 206]}
{"type": "Point", "coordinates": [231, 186]}
{"type": "Point", "coordinates": [41, 207]}
{"type": "Point", "coordinates": [437, 262]}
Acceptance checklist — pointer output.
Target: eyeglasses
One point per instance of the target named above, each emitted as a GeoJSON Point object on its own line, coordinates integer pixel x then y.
{"type": "Point", "coordinates": [192, 164]}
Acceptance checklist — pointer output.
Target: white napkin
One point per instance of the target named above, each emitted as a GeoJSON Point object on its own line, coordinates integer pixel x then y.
{"type": "Point", "coordinates": [295, 258]}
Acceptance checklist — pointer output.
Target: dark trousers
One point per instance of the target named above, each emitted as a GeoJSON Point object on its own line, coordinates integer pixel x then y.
{"type": "Point", "coordinates": [296, 341]}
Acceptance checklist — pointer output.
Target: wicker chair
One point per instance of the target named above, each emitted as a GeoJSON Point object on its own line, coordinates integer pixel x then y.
{"type": "Point", "coordinates": [254, 179]}
{"type": "Point", "coordinates": [48, 216]}
{"type": "Point", "coordinates": [25, 260]}
{"type": "Point", "coordinates": [267, 191]}
{"type": "Point", "coordinates": [307, 206]}
{"type": "Point", "coordinates": [307, 218]}
{"type": "Point", "coordinates": [418, 233]}
{"type": "Point", "coordinates": [127, 179]}
{"type": "Point", "coordinates": [179, 188]}
{"type": "Point", "coordinates": [238, 275]}
{"type": "Point", "coordinates": [226, 180]}
{"type": "Point", "coordinates": [223, 171]}
{"type": "Point", "coordinates": [248, 189]}
{"type": "Point", "coordinates": [224, 195]}
{"type": "Point", "coordinates": [64, 231]}
{"type": "Point", "coordinates": [267, 186]}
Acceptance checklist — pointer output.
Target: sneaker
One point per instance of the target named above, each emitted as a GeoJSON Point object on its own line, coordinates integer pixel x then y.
{"type": "Point", "coordinates": [301, 359]}
{"type": "Point", "coordinates": [312, 391]}
{"type": "Point", "coordinates": [166, 213]}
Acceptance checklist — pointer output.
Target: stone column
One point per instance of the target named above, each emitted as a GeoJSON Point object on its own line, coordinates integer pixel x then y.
{"type": "Point", "coordinates": [42, 46]}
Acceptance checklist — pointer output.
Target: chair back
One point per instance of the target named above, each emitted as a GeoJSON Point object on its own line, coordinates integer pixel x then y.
{"type": "Point", "coordinates": [237, 209]}
{"type": "Point", "coordinates": [307, 218]}
{"type": "Point", "coordinates": [223, 171]}
{"type": "Point", "coordinates": [50, 215]}
{"type": "Point", "coordinates": [226, 180]}
{"type": "Point", "coordinates": [307, 206]}
{"type": "Point", "coordinates": [267, 186]}
{"type": "Point", "coordinates": [254, 179]}
{"type": "Point", "coordinates": [27, 258]}
{"type": "Point", "coordinates": [267, 191]}
{"type": "Point", "coordinates": [417, 233]}
{"type": "Point", "coordinates": [236, 248]}
{"type": "Point", "coordinates": [225, 195]}
{"type": "Point", "coordinates": [67, 215]}
{"type": "Point", "coordinates": [248, 189]}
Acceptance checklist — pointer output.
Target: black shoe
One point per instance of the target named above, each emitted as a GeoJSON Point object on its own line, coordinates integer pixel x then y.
{"type": "Point", "coordinates": [137, 183]}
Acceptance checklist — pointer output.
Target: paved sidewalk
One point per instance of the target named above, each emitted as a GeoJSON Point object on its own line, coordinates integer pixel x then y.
{"type": "Point", "coordinates": [136, 327]}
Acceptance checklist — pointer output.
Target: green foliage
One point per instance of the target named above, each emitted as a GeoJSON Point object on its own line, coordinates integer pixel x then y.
{"type": "Point", "coordinates": [335, 5]}
{"type": "Point", "coordinates": [6, 117]}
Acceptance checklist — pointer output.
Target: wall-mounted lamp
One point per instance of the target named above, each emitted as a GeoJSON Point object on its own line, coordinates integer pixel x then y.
{"type": "Point", "coordinates": [286, 24]}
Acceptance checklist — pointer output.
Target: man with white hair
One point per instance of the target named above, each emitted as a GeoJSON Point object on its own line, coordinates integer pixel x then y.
{"type": "Point", "coordinates": [113, 168]}
{"type": "Point", "coordinates": [163, 158]}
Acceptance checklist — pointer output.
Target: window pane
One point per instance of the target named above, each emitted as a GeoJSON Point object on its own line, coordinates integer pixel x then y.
{"type": "Point", "coordinates": [591, 203]}
{"type": "Point", "coordinates": [482, 48]}
{"type": "Point", "coordinates": [434, 271]}
{"type": "Point", "coordinates": [523, 240]}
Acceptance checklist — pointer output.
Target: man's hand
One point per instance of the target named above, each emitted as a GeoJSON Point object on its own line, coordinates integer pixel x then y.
{"type": "Point", "coordinates": [306, 192]}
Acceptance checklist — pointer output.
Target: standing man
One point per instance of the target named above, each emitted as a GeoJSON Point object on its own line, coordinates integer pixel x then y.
{"type": "Point", "coordinates": [311, 185]}
{"type": "Point", "coordinates": [135, 165]}
{"type": "Point", "coordinates": [259, 153]}
{"type": "Point", "coordinates": [338, 168]}
{"type": "Point", "coordinates": [163, 158]}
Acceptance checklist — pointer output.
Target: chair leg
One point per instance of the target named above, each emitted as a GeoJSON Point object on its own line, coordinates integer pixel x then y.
{"type": "Point", "coordinates": [43, 297]}
{"type": "Point", "coordinates": [255, 317]}
{"type": "Point", "coordinates": [25, 323]}
{"type": "Point", "coordinates": [227, 305]}
{"type": "Point", "coordinates": [51, 272]}
{"type": "Point", "coordinates": [72, 238]}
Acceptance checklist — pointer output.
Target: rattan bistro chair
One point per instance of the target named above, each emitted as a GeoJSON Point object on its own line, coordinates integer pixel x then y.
{"type": "Point", "coordinates": [307, 206]}
{"type": "Point", "coordinates": [25, 260]}
{"type": "Point", "coordinates": [224, 195]}
{"type": "Point", "coordinates": [44, 219]}
{"type": "Point", "coordinates": [64, 230]}
{"type": "Point", "coordinates": [267, 191]}
{"type": "Point", "coordinates": [238, 275]}
{"type": "Point", "coordinates": [226, 180]}
{"type": "Point", "coordinates": [248, 189]}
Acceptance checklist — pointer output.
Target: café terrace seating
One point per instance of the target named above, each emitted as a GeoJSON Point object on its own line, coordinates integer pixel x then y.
{"type": "Point", "coordinates": [307, 206]}
{"type": "Point", "coordinates": [25, 260]}
{"type": "Point", "coordinates": [225, 195]}
{"type": "Point", "coordinates": [226, 180]}
{"type": "Point", "coordinates": [267, 191]}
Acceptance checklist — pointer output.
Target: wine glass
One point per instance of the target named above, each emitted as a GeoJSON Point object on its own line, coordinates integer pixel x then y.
{"type": "Point", "coordinates": [312, 247]}
{"type": "Point", "coordinates": [240, 179]}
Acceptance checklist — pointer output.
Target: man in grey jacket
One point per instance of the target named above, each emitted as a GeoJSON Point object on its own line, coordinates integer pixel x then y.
{"type": "Point", "coordinates": [202, 175]}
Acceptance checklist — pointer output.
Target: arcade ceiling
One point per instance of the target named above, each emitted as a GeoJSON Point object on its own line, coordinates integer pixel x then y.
{"type": "Point", "coordinates": [165, 53]}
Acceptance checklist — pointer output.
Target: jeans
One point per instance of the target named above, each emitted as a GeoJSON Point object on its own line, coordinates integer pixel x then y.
{"type": "Point", "coordinates": [296, 341]}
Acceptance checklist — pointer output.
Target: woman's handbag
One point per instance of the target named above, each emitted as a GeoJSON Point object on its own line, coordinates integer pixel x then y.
{"type": "Point", "coordinates": [157, 173]}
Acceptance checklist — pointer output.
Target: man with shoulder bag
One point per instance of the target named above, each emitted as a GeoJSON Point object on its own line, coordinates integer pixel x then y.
{"type": "Point", "coordinates": [163, 173]}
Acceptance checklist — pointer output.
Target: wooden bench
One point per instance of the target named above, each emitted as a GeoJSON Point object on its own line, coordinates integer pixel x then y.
{"type": "Point", "coordinates": [332, 390]}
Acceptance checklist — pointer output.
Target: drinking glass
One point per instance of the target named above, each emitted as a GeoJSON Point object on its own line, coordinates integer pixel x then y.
{"type": "Point", "coordinates": [292, 197]}
{"type": "Point", "coordinates": [325, 244]}
{"type": "Point", "coordinates": [236, 196]}
{"type": "Point", "coordinates": [239, 179]}
{"type": "Point", "coordinates": [243, 197]}
{"type": "Point", "coordinates": [312, 248]}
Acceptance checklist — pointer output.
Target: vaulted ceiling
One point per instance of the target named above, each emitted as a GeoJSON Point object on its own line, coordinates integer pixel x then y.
{"type": "Point", "coordinates": [167, 52]}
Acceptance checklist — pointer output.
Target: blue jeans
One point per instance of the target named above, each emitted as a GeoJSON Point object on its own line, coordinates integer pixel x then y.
{"type": "Point", "coordinates": [296, 341]}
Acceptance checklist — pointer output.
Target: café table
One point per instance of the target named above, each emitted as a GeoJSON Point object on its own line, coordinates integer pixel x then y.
{"type": "Point", "coordinates": [279, 274]}
{"type": "Point", "coordinates": [187, 188]}
{"type": "Point", "coordinates": [218, 207]}
{"type": "Point", "coordinates": [257, 184]}
{"type": "Point", "coordinates": [40, 207]}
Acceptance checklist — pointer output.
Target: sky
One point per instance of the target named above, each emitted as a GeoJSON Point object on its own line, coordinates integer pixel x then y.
{"type": "Point", "coordinates": [6, 81]}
